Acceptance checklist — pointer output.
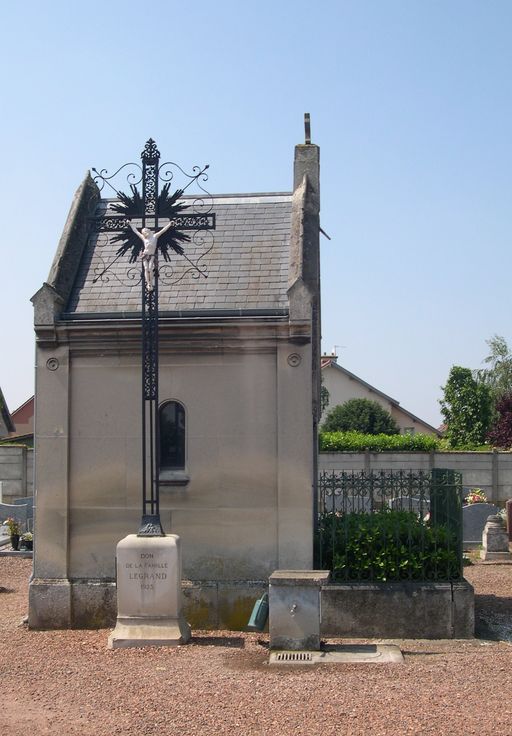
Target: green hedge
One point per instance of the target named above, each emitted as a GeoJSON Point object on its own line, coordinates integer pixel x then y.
{"type": "Point", "coordinates": [386, 546]}
{"type": "Point", "coordinates": [357, 442]}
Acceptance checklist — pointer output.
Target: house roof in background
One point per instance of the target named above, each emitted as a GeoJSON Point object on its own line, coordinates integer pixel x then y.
{"type": "Point", "coordinates": [329, 362]}
{"type": "Point", "coordinates": [247, 266]}
{"type": "Point", "coordinates": [22, 406]}
{"type": "Point", "coordinates": [6, 415]}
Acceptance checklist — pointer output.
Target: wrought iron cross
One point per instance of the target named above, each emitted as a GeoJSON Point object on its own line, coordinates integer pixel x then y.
{"type": "Point", "coordinates": [150, 208]}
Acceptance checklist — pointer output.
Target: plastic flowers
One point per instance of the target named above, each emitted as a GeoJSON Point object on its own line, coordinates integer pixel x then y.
{"type": "Point", "coordinates": [13, 525]}
{"type": "Point", "coordinates": [476, 495]}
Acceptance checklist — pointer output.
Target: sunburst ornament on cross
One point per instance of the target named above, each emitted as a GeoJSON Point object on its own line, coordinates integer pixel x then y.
{"type": "Point", "coordinates": [150, 208]}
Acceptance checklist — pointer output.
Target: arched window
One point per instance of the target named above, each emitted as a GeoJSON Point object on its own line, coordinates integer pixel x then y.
{"type": "Point", "coordinates": [172, 436]}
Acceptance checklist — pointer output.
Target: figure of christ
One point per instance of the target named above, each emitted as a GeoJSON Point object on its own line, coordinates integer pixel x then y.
{"type": "Point", "coordinates": [150, 240]}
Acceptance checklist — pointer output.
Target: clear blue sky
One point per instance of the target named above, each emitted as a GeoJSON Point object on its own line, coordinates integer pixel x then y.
{"type": "Point", "coordinates": [411, 104]}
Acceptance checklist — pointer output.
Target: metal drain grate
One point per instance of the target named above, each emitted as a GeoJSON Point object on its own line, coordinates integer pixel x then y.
{"type": "Point", "coordinates": [341, 654]}
{"type": "Point", "coordinates": [292, 657]}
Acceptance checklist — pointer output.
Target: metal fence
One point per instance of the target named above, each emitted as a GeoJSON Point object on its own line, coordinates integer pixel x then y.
{"type": "Point", "coordinates": [390, 526]}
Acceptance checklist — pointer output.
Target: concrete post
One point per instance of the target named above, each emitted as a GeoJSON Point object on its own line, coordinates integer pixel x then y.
{"type": "Point", "coordinates": [508, 506]}
{"type": "Point", "coordinates": [495, 478]}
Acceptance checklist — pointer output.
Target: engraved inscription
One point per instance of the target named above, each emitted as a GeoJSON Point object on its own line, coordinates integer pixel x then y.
{"type": "Point", "coordinates": [146, 571]}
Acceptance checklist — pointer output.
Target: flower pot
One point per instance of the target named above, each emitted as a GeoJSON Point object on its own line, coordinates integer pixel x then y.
{"type": "Point", "coordinates": [15, 541]}
{"type": "Point", "coordinates": [29, 544]}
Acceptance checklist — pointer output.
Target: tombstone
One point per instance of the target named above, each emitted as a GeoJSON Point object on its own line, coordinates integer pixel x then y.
{"type": "Point", "coordinates": [348, 503]}
{"type": "Point", "coordinates": [474, 519]}
{"type": "Point", "coordinates": [15, 511]}
{"type": "Point", "coordinates": [28, 501]}
{"type": "Point", "coordinates": [419, 506]}
{"type": "Point", "coordinates": [495, 540]}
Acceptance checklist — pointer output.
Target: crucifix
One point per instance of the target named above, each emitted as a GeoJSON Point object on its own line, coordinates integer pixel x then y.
{"type": "Point", "coordinates": [146, 245]}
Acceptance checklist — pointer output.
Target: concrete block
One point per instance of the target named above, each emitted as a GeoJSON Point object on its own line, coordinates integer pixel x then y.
{"type": "Point", "coordinates": [463, 610]}
{"type": "Point", "coordinates": [405, 610]}
{"type": "Point", "coordinates": [94, 604]}
{"type": "Point", "coordinates": [12, 489]}
{"type": "Point", "coordinates": [49, 604]}
{"type": "Point", "coordinates": [236, 601]}
{"type": "Point", "coordinates": [294, 608]}
{"type": "Point", "coordinates": [200, 604]}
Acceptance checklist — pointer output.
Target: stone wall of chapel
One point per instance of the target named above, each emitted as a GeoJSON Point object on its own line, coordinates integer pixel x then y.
{"type": "Point", "coordinates": [227, 514]}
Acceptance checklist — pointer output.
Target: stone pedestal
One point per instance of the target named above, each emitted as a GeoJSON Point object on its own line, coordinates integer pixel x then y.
{"type": "Point", "coordinates": [495, 540]}
{"type": "Point", "coordinates": [149, 607]}
{"type": "Point", "coordinates": [508, 507]}
{"type": "Point", "coordinates": [294, 608]}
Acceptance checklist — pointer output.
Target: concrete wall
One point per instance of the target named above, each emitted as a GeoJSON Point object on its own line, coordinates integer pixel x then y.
{"type": "Point", "coordinates": [491, 471]}
{"type": "Point", "coordinates": [16, 472]}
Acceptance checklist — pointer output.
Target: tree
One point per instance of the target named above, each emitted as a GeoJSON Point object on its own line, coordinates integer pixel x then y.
{"type": "Point", "coordinates": [324, 398]}
{"type": "Point", "coordinates": [500, 434]}
{"type": "Point", "coordinates": [466, 408]}
{"type": "Point", "coordinates": [498, 376]}
{"type": "Point", "coordinates": [360, 415]}
{"type": "Point", "coordinates": [324, 395]}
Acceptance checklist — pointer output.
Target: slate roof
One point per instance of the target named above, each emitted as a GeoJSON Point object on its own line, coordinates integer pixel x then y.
{"type": "Point", "coordinates": [247, 266]}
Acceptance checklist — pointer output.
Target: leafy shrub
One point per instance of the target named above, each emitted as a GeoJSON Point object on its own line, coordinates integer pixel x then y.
{"type": "Point", "coordinates": [500, 434]}
{"type": "Point", "coordinates": [360, 415]}
{"type": "Point", "coordinates": [466, 408]}
{"type": "Point", "coordinates": [387, 545]}
{"type": "Point", "coordinates": [358, 442]}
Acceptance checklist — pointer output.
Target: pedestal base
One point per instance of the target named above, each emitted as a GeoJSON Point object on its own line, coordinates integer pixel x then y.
{"type": "Point", "coordinates": [149, 633]}
{"type": "Point", "coordinates": [149, 604]}
{"type": "Point", "coordinates": [503, 556]}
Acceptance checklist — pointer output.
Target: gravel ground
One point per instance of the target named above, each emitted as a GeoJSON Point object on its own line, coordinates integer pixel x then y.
{"type": "Point", "coordinates": [68, 682]}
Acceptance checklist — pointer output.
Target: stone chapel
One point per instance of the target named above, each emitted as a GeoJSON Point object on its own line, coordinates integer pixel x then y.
{"type": "Point", "coordinates": [239, 405]}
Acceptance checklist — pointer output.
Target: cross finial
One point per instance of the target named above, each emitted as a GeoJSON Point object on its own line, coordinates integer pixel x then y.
{"type": "Point", "coordinates": [307, 128]}
{"type": "Point", "coordinates": [150, 154]}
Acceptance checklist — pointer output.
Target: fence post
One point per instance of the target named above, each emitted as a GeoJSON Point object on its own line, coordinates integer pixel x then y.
{"type": "Point", "coordinates": [495, 478]}
{"type": "Point", "coordinates": [446, 504]}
